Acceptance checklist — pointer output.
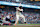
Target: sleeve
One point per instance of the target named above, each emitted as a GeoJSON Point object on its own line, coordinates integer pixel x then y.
{"type": "Point", "coordinates": [19, 9]}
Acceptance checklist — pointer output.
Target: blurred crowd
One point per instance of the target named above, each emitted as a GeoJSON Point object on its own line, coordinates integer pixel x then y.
{"type": "Point", "coordinates": [31, 18]}
{"type": "Point", "coordinates": [28, 2]}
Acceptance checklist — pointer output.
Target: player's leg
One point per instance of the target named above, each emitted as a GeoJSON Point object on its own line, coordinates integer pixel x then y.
{"type": "Point", "coordinates": [23, 17]}
{"type": "Point", "coordinates": [17, 18]}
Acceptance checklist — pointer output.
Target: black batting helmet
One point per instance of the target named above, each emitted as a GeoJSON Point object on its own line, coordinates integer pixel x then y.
{"type": "Point", "coordinates": [20, 7]}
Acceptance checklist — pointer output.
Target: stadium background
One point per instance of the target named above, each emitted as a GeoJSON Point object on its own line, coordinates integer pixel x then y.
{"type": "Point", "coordinates": [32, 15]}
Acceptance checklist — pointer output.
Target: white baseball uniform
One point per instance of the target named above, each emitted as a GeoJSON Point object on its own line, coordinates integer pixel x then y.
{"type": "Point", "coordinates": [18, 14]}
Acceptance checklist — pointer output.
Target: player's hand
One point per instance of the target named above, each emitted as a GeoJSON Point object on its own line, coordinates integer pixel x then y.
{"type": "Point", "coordinates": [21, 9]}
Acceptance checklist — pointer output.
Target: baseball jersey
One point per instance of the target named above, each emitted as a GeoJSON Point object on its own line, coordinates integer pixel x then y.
{"type": "Point", "coordinates": [18, 10]}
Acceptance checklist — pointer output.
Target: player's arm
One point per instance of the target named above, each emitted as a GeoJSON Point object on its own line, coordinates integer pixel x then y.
{"type": "Point", "coordinates": [19, 9]}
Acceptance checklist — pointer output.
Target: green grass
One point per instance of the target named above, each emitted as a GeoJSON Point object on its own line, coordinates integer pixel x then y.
{"type": "Point", "coordinates": [28, 24]}
{"type": "Point", "coordinates": [19, 26]}
{"type": "Point", "coordinates": [22, 25]}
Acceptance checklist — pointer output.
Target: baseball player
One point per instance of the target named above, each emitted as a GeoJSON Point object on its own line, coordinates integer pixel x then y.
{"type": "Point", "coordinates": [18, 14]}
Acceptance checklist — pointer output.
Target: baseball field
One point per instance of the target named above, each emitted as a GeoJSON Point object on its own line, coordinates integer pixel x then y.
{"type": "Point", "coordinates": [23, 25]}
